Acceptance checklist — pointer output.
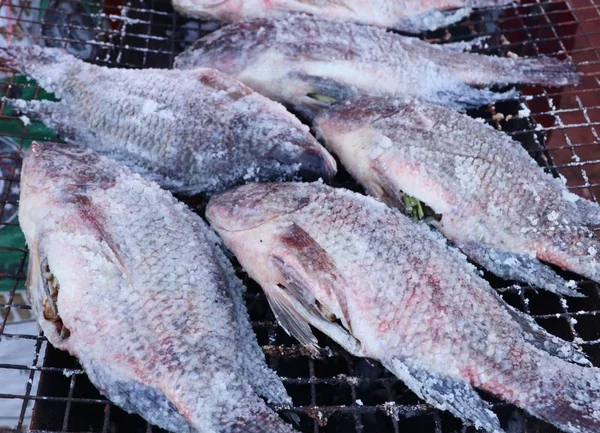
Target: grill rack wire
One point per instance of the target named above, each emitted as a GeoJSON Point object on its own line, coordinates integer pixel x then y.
{"type": "Point", "coordinates": [337, 392]}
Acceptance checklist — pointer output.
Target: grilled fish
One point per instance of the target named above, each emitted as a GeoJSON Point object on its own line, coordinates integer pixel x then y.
{"type": "Point", "coordinates": [382, 287]}
{"type": "Point", "coordinates": [495, 202]}
{"type": "Point", "coordinates": [308, 63]}
{"type": "Point", "coordinates": [411, 16]}
{"type": "Point", "coordinates": [129, 281]}
{"type": "Point", "coordinates": [191, 131]}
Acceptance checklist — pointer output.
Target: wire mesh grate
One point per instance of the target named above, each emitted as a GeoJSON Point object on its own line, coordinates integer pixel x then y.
{"type": "Point", "coordinates": [49, 391]}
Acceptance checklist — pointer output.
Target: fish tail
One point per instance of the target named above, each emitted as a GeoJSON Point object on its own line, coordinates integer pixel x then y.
{"type": "Point", "coordinates": [545, 71]}
{"type": "Point", "coordinates": [23, 58]}
{"type": "Point", "coordinates": [47, 65]}
{"type": "Point", "coordinates": [490, 70]}
{"type": "Point", "coordinates": [568, 396]}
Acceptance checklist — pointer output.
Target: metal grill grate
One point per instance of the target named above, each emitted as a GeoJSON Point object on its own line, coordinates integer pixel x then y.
{"type": "Point", "coordinates": [337, 393]}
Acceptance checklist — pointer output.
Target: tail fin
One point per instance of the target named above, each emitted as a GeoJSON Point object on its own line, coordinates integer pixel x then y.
{"type": "Point", "coordinates": [568, 397]}
{"type": "Point", "coordinates": [544, 71]}
{"type": "Point", "coordinates": [489, 70]}
{"type": "Point", "coordinates": [46, 65]}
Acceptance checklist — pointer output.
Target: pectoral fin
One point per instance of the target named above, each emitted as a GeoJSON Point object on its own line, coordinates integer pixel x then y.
{"type": "Point", "coordinates": [321, 92]}
{"type": "Point", "coordinates": [95, 219]}
{"type": "Point", "coordinates": [304, 262]}
{"type": "Point", "coordinates": [302, 265]}
{"type": "Point", "coordinates": [446, 393]}
{"type": "Point", "coordinates": [295, 312]}
{"type": "Point", "coordinates": [384, 189]}
{"type": "Point", "coordinates": [292, 316]}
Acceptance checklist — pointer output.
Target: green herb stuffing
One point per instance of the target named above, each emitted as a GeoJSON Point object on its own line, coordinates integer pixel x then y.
{"type": "Point", "coordinates": [414, 207]}
{"type": "Point", "coordinates": [321, 98]}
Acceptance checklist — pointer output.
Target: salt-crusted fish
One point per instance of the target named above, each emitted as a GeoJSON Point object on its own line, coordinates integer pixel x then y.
{"type": "Point", "coordinates": [129, 281]}
{"type": "Point", "coordinates": [307, 62]}
{"type": "Point", "coordinates": [192, 131]}
{"type": "Point", "coordinates": [382, 287]}
{"type": "Point", "coordinates": [495, 202]}
{"type": "Point", "coordinates": [407, 15]}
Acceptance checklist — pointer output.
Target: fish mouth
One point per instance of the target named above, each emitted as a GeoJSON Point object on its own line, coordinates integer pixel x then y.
{"type": "Point", "coordinates": [43, 289]}
{"type": "Point", "coordinates": [315, 165]}
{"type": "Point", "coordinates": [308, 159]}
{"type": "Point", "coordinates": [42, 148]}
{"type": "Point", "coordinates": [49, 303]}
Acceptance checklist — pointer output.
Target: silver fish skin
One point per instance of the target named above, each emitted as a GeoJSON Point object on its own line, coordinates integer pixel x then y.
{"type": "Point", "coordinates": [128, 280]}
{"type": "Point", "coordinates": [191, 131]}
{"type": "Point", "coordinates": [411, 16]}
{"type": "Point", "coordinates": [495, 202]}
{"type": "Point", "coordinates": [307, 62]}
{"type": "Point", "coordinates": [383, 287]}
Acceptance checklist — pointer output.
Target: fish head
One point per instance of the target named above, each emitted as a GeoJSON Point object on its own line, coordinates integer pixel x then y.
{"type": "Point", "coordinates": [56, 217]}
{"type": "Point", "coordinates": [287, 149]}
{"type": "Point", "coordinates": [349, 130]}
{"type": "Point", "coordinates": [248, 219]}
{"type": "Point", "coordinates": [54, 167]}
{"type": "Point", "coordinates": [264, 226]}
{"type": "Point", "coordinates": [375, 137]}
{"type": "Point", "coordinates": [231, 49]}
{"type": "Point", "coordinates": [53, 177]}
{"type": "Point", "coordinates": [250, 206]}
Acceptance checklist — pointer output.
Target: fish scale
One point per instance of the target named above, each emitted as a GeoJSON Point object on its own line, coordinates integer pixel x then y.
{"type": "Point", "coordinates": [494, 201]}
{"type": "Point", "coordinates": [411, 302]}
{"type": "Point", "coordinates": [156, 121]}
{"type": "Point", "coordinates": [153, 309]}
